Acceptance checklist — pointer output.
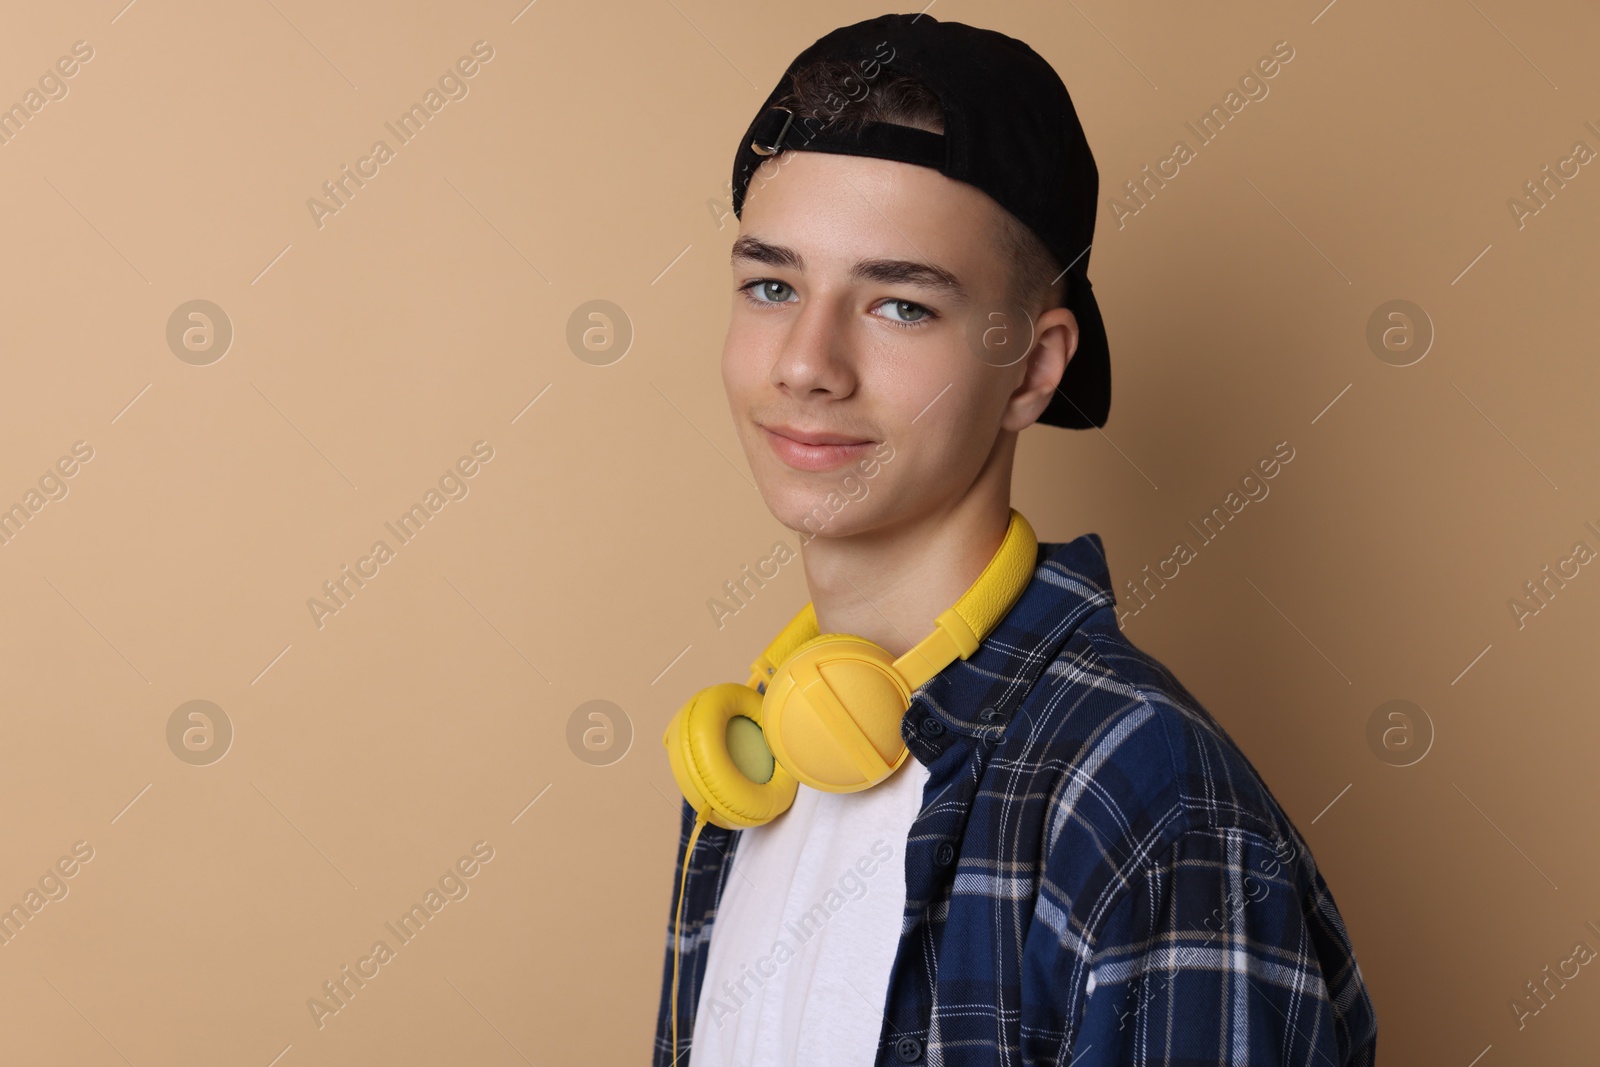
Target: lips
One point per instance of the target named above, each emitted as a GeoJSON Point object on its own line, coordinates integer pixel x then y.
{"type": "Point", "coordinates": [817, 437]}
{"type": "Point", "coordinates": [813, 450]}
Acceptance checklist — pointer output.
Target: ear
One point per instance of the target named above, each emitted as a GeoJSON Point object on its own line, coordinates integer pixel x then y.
{"type": "Point", "coordinates": [1055, 340]}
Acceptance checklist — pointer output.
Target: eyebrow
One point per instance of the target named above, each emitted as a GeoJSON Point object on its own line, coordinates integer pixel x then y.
{"type": "Point", "coordinates": [887, 271]}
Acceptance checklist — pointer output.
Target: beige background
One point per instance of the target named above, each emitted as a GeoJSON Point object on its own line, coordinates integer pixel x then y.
{"type": "Point", "coordinates": [585, 163]}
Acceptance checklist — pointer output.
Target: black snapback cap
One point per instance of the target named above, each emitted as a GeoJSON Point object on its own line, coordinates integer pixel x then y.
{"type": "Point", "coordinates": [1009, 129]}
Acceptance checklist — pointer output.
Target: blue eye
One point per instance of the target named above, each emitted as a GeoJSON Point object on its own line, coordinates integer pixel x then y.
{"type": "Point", "coordinates": [905, 311]}
{"type": "Point", "coordinates": [767, 291]}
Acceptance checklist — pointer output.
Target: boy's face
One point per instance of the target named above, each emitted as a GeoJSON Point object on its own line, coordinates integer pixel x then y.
{"type": "Point", "coordinates": [855, 281]}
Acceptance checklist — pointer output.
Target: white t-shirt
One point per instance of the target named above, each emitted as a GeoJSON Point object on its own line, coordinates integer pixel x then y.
{"type": "Point", "coordinates": [807, 930]}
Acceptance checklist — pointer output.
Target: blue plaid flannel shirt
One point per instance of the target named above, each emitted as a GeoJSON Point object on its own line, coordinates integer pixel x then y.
{"type": "Point", "coordinates": [1098, 875]}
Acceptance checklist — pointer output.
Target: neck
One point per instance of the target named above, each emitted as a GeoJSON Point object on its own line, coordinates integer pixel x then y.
{"type": "Point", "coordinates": [890, 583]}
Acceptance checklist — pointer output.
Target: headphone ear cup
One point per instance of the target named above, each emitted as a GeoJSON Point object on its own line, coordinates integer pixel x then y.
{"type": "Point", "coordinates": [721, 759]}
{"type": "Point", "coordinates": [833, 712]}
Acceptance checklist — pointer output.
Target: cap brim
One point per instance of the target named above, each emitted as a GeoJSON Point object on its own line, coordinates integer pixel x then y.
{"type": "Point", "coordinates": [1083, 399]}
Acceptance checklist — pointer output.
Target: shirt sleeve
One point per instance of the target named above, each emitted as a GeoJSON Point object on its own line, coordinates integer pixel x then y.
{"type": "Point", "coordinates": [1225, 949]}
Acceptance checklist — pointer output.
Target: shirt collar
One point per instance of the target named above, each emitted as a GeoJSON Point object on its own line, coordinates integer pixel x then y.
{"type": "Point", "coordinates": [977, 696]}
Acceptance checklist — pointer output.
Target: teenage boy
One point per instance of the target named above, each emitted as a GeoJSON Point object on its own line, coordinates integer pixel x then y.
{"type": "Point", "coordinates": [1076, 865]}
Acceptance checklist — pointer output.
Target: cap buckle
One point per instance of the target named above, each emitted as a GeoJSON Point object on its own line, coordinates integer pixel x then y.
{"type": "Point", "coordinates": [777, 145]}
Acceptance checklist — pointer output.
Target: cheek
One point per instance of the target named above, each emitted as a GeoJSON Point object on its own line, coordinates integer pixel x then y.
{"type": "Point", "coordinates": [937, 391]}
{"type": "Point", "coordinates": [959, 427]}
{"type": "Point", "coordinates": [902, 379]}
{"type": "Point", "coordinates": [743, 349]}
{"type": "Point", "coordinates": [736, 362]}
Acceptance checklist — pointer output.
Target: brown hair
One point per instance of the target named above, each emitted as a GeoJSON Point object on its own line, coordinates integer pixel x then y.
{"type": "Point", "coordinates": [830, 91]}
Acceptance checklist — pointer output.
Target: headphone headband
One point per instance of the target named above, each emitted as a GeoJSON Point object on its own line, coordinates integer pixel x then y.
{"type": "Point", "coordinates": [957, 632]}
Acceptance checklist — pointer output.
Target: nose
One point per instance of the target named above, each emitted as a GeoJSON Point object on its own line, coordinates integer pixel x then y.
{"type": "Point", "coordinates": [815, 360]}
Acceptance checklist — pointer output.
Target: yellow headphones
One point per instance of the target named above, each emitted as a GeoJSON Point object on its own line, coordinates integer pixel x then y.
{"type": "Point", "coordinates": [823, 709]}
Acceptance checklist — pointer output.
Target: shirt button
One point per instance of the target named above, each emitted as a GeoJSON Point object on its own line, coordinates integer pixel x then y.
{"type": "Point", "coordinates": [945, 854]}
{"type": "Point", "coordinates": [932, 727]}
{"type": "Point", "coordinates": [909, 1049]}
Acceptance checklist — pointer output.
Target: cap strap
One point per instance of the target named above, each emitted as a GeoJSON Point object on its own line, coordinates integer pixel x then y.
{"type": "Point", "coordinates": [779, 129]}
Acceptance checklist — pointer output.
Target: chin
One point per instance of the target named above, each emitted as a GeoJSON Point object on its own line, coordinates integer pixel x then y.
{"type": "Point", "coordinates": [790, 503]}
{"type": "Point", "coordinates": [836, 507]}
